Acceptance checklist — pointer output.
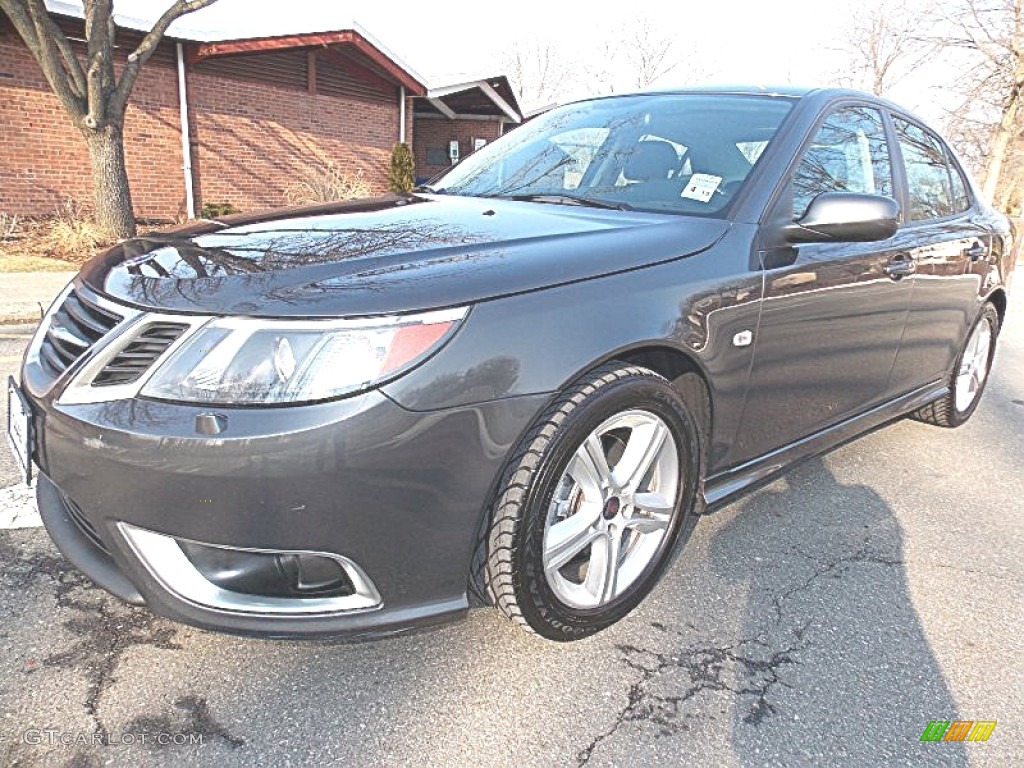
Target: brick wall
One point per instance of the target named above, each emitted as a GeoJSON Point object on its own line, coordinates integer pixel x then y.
{"type": "Point", "coordinates": [435, 133]}
{"type": "Point", "coordinates": [43, 158]}
{"type": "Point", "coordinates": [253, 140]}
{"type": "Point", "coordinates": [250, 139]}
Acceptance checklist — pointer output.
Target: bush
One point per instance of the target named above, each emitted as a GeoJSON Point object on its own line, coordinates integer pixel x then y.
{"type": "Point", "coordinates": [324, 182]}
{"type": "Point", "coordinates": [8, 227]}
{"type": "Point", "coordinates": [401, 170]}
{"type": "Point", "coordinates": [215, 210]}
{"type": "Point", "coordinates": [70, 235]}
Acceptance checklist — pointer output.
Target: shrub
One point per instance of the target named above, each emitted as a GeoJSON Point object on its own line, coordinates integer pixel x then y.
{"type": "Point", "coordinates": [215, 210]}
{"type": "Point", "coordinates": [8, 227]}
{"type": "Point", "coordinates": [61, 241]}
{"type": "Point", "coordinates": [72, 234]}
{"type": "Point", "coordinates": [324, 182]}
{"type": "Point", "coordinates": [401, 170]}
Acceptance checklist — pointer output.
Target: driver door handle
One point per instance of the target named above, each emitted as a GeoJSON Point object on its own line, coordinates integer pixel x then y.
{"type": "Point", "coordinates": [901, 265]}
{"type": "Point", "coordinates": [976, 251]}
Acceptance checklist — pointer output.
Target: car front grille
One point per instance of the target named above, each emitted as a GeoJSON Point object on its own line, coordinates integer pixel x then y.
{"type": "Point", "coordinates": [74, 328]}
{"type": "Point", "coordinates": [135, 359]}
{"type": "Point", "coordinates": [84, 525]}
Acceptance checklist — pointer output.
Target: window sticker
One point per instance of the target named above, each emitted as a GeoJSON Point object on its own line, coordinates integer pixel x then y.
{"type": "Point", "coordinates": [701, 186]}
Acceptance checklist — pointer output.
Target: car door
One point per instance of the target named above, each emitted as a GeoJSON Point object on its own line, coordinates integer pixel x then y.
{"type": "Point", "coordinates": [949, 243]}
{"type": "Point", "coordinates": [833, 313]}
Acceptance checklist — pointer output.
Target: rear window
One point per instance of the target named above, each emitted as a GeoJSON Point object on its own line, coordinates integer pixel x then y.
{"type": "Point", "coordinates": [928, 181]}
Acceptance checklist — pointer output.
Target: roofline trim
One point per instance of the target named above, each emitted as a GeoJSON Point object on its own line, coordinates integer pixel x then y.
{"type": "Point", "coordinates": [353, 37]}
{"type": "Point", "coordinates": [436, 94]}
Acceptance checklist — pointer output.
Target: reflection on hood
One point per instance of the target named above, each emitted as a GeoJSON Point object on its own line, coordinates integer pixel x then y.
{"type": "Point", "coordinates": [387, 256]}
{"type": "Point", "coordinates": [244, 251]}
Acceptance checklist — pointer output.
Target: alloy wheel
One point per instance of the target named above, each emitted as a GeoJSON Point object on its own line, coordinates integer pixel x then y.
{"type": "Point", "coordinates": [611, 509]}
{"type": "Point", "coordinates": [973, 366]}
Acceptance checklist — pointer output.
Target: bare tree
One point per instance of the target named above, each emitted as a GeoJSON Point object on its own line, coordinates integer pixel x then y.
{"type": "Point", "coordinates": [92, 92]}
{"type": "Point", "coordinates": [602, 72]}
{"type": "Point", "coordinates": [649, 53]}
{"type": "Point", "coordinates": [882, 44]}
{"type": "Point", "coordinates": [638, 58]}
{"type": "Point", "coordinates": [990, 36]}
{"type": "Point", "coordinates": [537, 73]}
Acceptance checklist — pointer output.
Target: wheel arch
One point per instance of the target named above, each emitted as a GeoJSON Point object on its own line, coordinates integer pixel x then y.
{"type": "Point", "coordinates": [998, 300]}
{"type": "Point", "coordinates": [687, 376]}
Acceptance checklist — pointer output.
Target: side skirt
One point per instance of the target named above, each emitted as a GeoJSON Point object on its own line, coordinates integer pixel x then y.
{"type": "Point", "coordinates": [723, 487]}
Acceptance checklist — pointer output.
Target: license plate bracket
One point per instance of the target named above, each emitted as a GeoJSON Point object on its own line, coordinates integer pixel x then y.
{"type": "Point", "coordinates": [20, 429]}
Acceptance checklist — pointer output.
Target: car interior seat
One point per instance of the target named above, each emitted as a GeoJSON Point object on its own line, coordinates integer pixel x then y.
{"type": "Point", "coordinates": [648, 169]}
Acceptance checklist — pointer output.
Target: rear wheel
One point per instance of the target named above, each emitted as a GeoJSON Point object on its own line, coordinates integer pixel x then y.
{"type": "Point", "coordinates": [969, 376]}
{"type": "Point", "coordinates": [592, 502]}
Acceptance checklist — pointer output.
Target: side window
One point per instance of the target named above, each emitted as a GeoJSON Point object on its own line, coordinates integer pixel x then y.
{"type": "Point", "coordinates": [848, 154]}
{"type": "Point", "coordinates": [961, 200]}
{"type": "Point", "coordinates": [928, 179]}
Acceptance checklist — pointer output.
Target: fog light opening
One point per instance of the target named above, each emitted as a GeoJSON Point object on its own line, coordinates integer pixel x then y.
{"type": "Point", "coordinates": [253, 581]}
{"type": "Point", "coordinates": [270, 574]}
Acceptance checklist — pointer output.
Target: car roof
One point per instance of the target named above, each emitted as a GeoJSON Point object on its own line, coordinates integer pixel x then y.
{"type": "Point", "coordinates": [822, 95]}
{"type": "Point", "coordinates": [790, 91]}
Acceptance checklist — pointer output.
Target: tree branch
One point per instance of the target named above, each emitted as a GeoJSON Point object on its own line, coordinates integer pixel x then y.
{"type": "Point", "coordinates": [71, 62]}
{"type": "Point", "coordinates": [25, 27]}
{"type": "Point", "coordinates": [138, 57]}
{"type": "Point", "coordinates": [97, 34]}
{"type": "Point", "coordinates": [51, 50]}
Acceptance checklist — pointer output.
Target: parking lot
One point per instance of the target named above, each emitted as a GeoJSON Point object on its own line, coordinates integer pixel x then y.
{"type": "Point", "coordinates": [825, 619]}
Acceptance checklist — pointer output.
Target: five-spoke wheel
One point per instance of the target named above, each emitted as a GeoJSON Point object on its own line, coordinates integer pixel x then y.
{"type": "Point", "coordinates": [591, 503]}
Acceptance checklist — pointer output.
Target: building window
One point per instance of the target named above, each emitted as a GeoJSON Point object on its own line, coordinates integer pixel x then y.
{"type": "Point", "coordinates": [437, 157]}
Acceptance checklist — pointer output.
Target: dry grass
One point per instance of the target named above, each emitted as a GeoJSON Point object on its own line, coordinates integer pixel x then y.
{"type": "Point", "coordinates": [59, 242]}
{"type": "Point", "coordinates": [324, 182]}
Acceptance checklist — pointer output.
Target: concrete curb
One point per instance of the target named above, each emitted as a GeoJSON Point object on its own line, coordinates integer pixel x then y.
{"type": "Point", "coordinates": [22, 294]}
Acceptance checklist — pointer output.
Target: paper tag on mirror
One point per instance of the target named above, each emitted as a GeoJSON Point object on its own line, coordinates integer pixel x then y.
{"type": "Point", "coordinates": [701, 186]}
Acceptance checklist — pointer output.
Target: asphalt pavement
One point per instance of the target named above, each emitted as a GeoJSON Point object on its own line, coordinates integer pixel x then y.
{"type": "Point", "coordinates": [823, 620]}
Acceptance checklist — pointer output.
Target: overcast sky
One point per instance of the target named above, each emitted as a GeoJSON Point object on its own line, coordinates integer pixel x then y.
{"type": "Point", "coordinates": [725, 41]}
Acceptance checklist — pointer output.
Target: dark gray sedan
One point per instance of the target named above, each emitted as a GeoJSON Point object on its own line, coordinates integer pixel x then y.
{"type": "Point", "coordinates": [516, 383]}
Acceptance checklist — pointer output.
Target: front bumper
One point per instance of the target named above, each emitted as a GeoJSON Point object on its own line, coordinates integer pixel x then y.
{"type": "Point", "coordinates": [398, 493]}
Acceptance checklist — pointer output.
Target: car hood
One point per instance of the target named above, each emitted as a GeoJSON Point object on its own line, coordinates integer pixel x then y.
{"type": "Point", "coordinates": [386, 255]}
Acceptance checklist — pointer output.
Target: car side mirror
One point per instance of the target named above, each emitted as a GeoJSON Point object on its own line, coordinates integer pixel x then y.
{"type": "Point", "coordinates": [845, 217]}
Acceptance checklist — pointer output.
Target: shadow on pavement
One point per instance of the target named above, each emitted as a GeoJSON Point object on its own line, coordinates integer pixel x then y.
{"type": "Point", "coordinates": [832, 663]}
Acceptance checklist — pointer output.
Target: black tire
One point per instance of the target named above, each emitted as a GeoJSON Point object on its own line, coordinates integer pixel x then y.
{"type": "Point", "coordinates": [943, 412]}
{"type": "Point", "coordinates": [513, 572]}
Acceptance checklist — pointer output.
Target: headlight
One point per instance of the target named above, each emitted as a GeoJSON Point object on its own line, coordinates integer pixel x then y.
{"type": "Point", "coordinates": [248, 361]}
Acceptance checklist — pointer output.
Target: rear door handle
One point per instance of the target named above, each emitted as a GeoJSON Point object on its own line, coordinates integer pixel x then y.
{"type": "Point", "coordinates": [900, 266]}
{"type": "Point", "coordinates": [976, 251]}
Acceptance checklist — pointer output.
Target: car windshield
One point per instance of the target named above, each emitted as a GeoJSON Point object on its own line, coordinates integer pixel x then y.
{"type": "Point", "coordinates": [682, 153]}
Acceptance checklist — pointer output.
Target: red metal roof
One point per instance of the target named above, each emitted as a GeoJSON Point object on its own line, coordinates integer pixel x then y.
{"type": "Point", "coordinates": [338, 40]}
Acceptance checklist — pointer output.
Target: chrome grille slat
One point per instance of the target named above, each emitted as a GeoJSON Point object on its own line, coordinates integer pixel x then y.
{"type": "Point", "coordinates": [52, 360]}
{"type": "Point", "coordinates": [80, 313]}
{"type": "Point", "coordinates": [73, 329]}
{"type": "Point", "coordinates": [66, 335]}
{"type": "Point", "coordinates": [68, 353]}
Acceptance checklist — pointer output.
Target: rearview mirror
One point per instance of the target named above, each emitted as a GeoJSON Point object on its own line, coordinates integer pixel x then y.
{"type": "Point", "coordinates": [849, 217]}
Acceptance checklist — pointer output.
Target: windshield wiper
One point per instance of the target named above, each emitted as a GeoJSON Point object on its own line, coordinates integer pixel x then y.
{"type": "Point", "coordinates": [564, 199]}
{"type": "Point", "coordinates": [429, 189]}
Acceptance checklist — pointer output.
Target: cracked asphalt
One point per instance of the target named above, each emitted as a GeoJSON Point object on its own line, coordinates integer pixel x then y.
{"type": "Point", "coordinates": [825, 619]}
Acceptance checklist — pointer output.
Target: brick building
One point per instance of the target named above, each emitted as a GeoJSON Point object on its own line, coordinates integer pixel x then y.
{"type": "Point", "coordinates": [470, 112]}
{"type": "Point", "coordinates": [231, 121]}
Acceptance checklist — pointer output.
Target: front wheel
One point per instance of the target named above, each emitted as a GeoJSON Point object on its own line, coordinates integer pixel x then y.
{"type": "Point", "coordinates": [968, 377]}
{"type": "Point", "coordinates": [591, 503]}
